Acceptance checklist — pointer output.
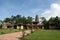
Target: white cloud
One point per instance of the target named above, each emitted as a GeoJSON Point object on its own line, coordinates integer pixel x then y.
{"type": "Point", "coordinates": [46, 12]}
{"type": "Point", "coordinates": [52, 12]}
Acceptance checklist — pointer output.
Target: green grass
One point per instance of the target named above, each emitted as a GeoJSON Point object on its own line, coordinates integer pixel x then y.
{"type": "Point", "coordinates": [44, 35]}
{"type": "Point", "coordinates": [5, 31]}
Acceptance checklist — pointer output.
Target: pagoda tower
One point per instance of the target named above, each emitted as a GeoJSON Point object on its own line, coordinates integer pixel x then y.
{"type": "Point", "coordinates": [36, 18]}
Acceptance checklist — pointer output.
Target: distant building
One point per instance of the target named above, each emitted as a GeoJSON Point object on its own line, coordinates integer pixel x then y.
{"type": "Point", "coordinates": [36, 24]}
{"type": "Point", "coordinates": [52, 25]}
{"type": "Point", "coordinates": [18, 26]}
{"type": "Point", "coordinates": [40, 26]}
{"type": "Point", "coordinates": [7, 25]}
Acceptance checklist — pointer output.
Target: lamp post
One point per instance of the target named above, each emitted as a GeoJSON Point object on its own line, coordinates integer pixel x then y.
{"type": "Point", "coordinates": [22, 29]}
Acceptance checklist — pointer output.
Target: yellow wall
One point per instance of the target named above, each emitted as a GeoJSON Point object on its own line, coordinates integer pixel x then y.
{"type": "Point", "coordinates": [4, 26]}
{"type": "Point", "coordinates": [18, 27]}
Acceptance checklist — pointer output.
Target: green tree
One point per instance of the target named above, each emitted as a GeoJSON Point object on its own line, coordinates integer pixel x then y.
{"type": "Point", "coordinates": [16, 19]}
{"type": "Point", "coordinates": [29, 20]}
{"type": "Point", "coordinates": [0, 23]}
{"type": "Point", "coordinates": [23, 20]}
{"type": "Point", "coordinates": [7, 20]}
{"type": "Point", "coordinates": [56, 20]}
{"type": "Point", "coordinates": [45, 22]}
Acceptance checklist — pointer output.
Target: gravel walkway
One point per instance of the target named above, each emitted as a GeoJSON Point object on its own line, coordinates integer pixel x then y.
{"type": "Point", "coordinates": [13, 36]}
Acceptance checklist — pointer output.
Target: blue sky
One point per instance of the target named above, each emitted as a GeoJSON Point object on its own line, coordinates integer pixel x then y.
{"type": "Point", "coordinates": [44, 8]}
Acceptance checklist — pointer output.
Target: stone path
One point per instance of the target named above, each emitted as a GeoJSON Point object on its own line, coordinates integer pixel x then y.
{"type": "Point", "coordinates": [13, 36]}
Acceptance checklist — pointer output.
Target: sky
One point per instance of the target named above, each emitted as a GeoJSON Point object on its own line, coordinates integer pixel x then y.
{"type": "Point", "coordinates": [44, 8]}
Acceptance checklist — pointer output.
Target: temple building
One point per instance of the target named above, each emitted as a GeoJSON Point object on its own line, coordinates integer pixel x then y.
{"type": "Point", "coordinates": [36, 24]}
{"type": "Point", "coordinates": [18, 26]}
{"type": "Point", "coordinates": [52, 25]}
{"type": "Point", "coordinates": [7, 25]}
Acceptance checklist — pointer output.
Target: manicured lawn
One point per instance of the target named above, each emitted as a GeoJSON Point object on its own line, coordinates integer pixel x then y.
{"type": "Point", "coordinates": [5, 31]}
{"type": "Point", "coordinates": [44, 35]}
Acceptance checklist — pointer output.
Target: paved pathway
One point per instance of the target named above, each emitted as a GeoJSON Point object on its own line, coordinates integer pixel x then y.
{"type": "Point", "coordinates": [13, 36]}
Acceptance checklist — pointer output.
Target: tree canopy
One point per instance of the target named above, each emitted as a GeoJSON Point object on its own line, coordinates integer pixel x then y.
{"type": "Point", "coordinates": [18, 19]}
